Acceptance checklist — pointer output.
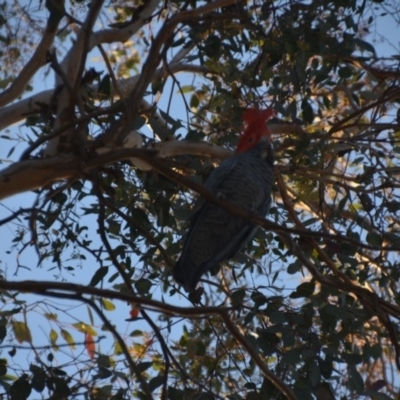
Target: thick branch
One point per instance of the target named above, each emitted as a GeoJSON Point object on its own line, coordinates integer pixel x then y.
{"type": "Point", "coordinates": [78, 54]}
{"type": "Point", "coordinates": [158, 50]}
{"type": "Point", "coordinates": [57, 168]}
{"type": "Point", "coordinates": [122, 34]}
{"type": "Point", "coordinates": [66, 99]}
{"type": "Point", "coordinates": [18, 111]}
{"type": "Point", "coordinates": [37, 60]}
{"type": "Point", "coordinates": [30, 175]}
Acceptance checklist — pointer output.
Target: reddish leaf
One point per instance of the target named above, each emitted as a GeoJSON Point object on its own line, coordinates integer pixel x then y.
{"type": "Point", "coordinates": [134, 313]}
{"type": "Point", "coordinates": [90, 346]}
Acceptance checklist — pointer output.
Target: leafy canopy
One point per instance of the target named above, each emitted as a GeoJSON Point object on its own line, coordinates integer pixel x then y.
{"type": "Point", "coordinates": [147, 99]}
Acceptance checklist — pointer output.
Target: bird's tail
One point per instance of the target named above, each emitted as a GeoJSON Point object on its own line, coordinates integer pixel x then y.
{"type": "Point", "coordinates": [186, 273]}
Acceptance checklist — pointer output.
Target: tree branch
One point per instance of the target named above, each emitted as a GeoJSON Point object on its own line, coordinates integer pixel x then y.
{"type": "Point", "coordinates": [277, 382]}
{"type": "Point", "coordinates": [16, 112]}
{"type": "Point", "coordinates": [37, 60]}
{"type": "Point", "coordinates": [58, 168]}
{"type": "Point", "coordinates": [60, 289]}
{"type": "Point", "coordinates": [73, 65]}
{"type": "Point", "coordinates": [122, 34]}
{"type": "Point", "coordinates": [157, 51]}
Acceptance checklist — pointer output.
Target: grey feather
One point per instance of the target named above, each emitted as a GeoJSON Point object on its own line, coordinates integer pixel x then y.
{"type": "Point", "coordinates": [216, 235]}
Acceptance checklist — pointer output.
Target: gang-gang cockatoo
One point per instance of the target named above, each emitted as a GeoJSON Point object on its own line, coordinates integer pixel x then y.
{"type": "Point", "coordinates": [245, 180]}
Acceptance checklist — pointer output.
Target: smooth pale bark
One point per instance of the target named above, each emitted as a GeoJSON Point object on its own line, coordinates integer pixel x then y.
{"type": "Point", "coordinates": [27, 175]}
{"type": "Point", "coordinates": [24, 176]}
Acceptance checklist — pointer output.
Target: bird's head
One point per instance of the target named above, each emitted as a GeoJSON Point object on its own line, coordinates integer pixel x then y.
{"type": "Point", "coordinates": [255, 122]}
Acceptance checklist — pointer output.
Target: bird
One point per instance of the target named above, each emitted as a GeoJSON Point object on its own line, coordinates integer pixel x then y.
{"type": "Point", "coordinates": [215, 235]}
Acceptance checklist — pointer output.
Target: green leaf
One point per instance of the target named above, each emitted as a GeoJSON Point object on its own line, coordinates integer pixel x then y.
{"type": "Point", "coordinates": [352, 358]}
{"type": "Point", "coordinates": [68, 338]}
{"type": "Point", "coordinates": [172, 121]}
{"type": "Point", "coordinates": [20, 389]}
{"type": "Point", "coordinates": [294, 267]}
{"type": "Point", "coordinates": [103, 361]}
{"type": "Point", "coordinates": [375, 351]}
{"type": "Point", "coordinates": [212, 46]}
{"type": "Point", "coordinates": [98, 276]}
{"type": "Point", "coordinates": [277, 317]}
{"type": "Point", "coordinates": [305, 289]}
{"type": "Point", "coordinates": [194, 101]}
{"type": "Point", "coordinates": [267, 342]}
{"type": "Point", "coordinates": [157, 86]}
{"type": "Point", "coordinates": [291, 110]}
{"type": "Point", "coordinates": [291, 356]}
{"type": "Point", "coordinates": [61, 387]}
{"type": "Point", "coordinates": [356, 380]}
{"type": "Point", "coordinates": [56, 10]}
{"type": "Point", "coordinates": [315, 374]}
{"type": "Point", "coordinates": [90, 315]}
{"type": "Point", "coordinates": [200, 348]}
{"type": "Point", "coordinates": [104, 373]}
{"type": "Point", "coordinates": [186, 89]}
{"type": "Point", "coordinates": [143, 366]}
{"type": "Point", "coordinates": [345, 72]}
{"type": "Point", "coordinates": [307, 111]}
{"type": "Point", "coordinates": [3, 329]}
{"type": "Point", "coordinates": [194, 135]}
{"type": "Point", "coordinates": [365, 46]}
{"type": "Point", "coordinates": [327, 102]}
{"type": "Point", "coordinates": [104, 90]}
{"type": "Point", "coordinates": [59, 371]}
{"type": "Point", "coordinates": [51, 316]}
{"type": "Point", "coordinates": [205, 396]}
{"type": "Point", "coordinates": [84, 328]}
{"type": "Point", "coordinates": [156, 382]}
{"type": "Point", "coordinates": [258, 298]}
{"type": "Point", "coordinates": [21, 331]}
{"type": "Point", "coordinates": [136, 333]}
{"type": "Point", "coordinates": [10, 151]}
{"type": "Point", "coordinates": [117, 349]}
{"type": "Point", "coordinates": [53, 339]}
{"type": "Point", "coordinates": [374, 239]}
{"type": "Point", "coordinates": [238, 297]}
{"type": "Point", "coordinates": [143, 286]}
{"type": "Point", "coordinates": [349, 21]}
{"type": "Point", "coordinates": [175, 394]}
{"type": "Point", "coordinates": [108, 305]}
{"type": "Point", "coordinates": [3, 367]}
{"type": "Point", "coordinates": [38, 380]}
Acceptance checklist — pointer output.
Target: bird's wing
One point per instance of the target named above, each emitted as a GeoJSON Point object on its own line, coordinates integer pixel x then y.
{"type": "Point", "coordinates": [216, 235]}
{"type": "Point", "coordinates": [215, 179]}
{"type": "Point", "coordinates": [241, 234]}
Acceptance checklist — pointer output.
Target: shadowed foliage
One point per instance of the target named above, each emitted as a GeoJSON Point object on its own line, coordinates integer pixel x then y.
{"type": "Point", "coordinates": [113, 115]}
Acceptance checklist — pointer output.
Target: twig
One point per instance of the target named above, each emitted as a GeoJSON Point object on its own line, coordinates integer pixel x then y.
{"type": "Point", "coordinates": [125, 276]}
{"type": "Point", "coordinates": [142, 231]}
{"type": "Point", "coordinates": [110, 71]}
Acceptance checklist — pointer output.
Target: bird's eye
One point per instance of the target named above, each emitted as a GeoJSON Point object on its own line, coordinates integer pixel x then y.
{"type": "Point", "coordinates": [251, 139]}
